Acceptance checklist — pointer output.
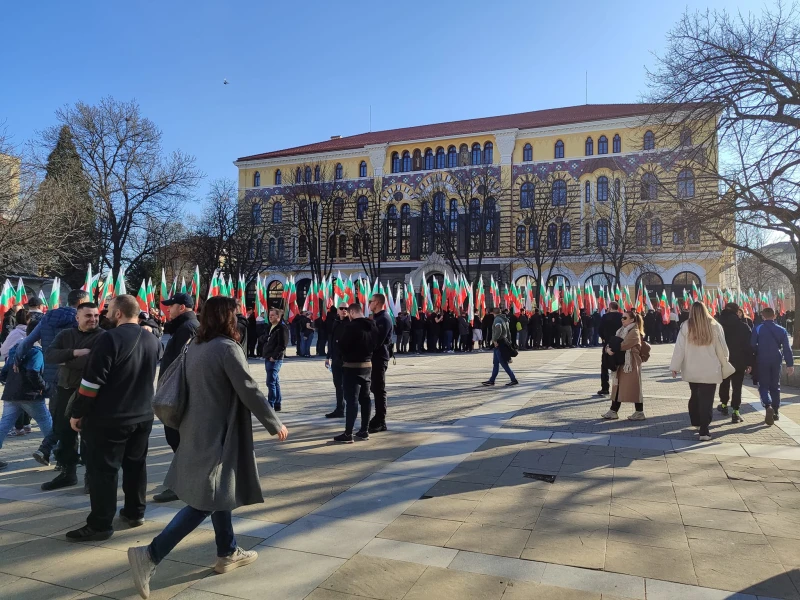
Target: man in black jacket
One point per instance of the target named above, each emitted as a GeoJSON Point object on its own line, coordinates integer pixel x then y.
{"type": "Point", "coordinates": [737, 338]}
{"type": "Point", "coordinates": [182, 327]}
{"type": "Point", "coordinates": [333, 359]}
{"type": "Point", "coordinates": [609, 324]}
{"type": "Point", "coordinates": [114, 413]}
{"type": "Point", "coordinates": [357, 344]}
{"type": "Point", "coordinates": [273, 350]}
{"type": "Point", "coordinates": [418, 326]}
{"type": "Point", "coordinates": [380, 361]}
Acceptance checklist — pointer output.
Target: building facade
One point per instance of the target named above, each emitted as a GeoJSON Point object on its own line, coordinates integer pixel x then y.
{"type": "Point", "coordinates": [581, 194]}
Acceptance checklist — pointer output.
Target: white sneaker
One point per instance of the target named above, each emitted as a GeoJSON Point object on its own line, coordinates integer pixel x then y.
{"type": "Point", "coordinates": [142, 569]}
{"type": "Point", "coordinates": [239, 558]}
{"type": "Point", "coordinates": [611, 414]}
{"type": "Point", "coordinates": [705, 438]}
{"type": "Point", "coordinates": [637, 416]}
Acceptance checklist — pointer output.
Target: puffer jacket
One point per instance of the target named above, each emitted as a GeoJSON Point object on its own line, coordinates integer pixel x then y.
{"type": "Point", "coordinates": [26, 384]}
{"type": "Point", "coordinates": [46, 331]}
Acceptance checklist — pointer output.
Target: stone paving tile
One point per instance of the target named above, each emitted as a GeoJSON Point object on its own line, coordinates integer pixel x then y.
{"type": "Point", "coordinates": [30, 589]}
{"type": "Point", "coordinates": [341, 538]}
{"type": "Point", "coordinates": [420, 530]}
{"type": "Point", "coordinates": [714, 518]}
{"type": "Point", "coordinates": [170, 579]}
{"type": "Point", "coordinates": [489, 539]}
{"type": "Point", "coordinates": [672, 564]}
{"type": "Point", "coordinates": [525, 590]}
{"type": "Point", "coordinates": [768, 579]}
{"type": "Point", "coordinates": [442, 507]}
{"type": "Point", "coordinates": [373, 577]}
{"type": "Point", "coordinates": [656, 534]}
{"type": "Point", "coordinates": [444, 584]}
{"type": "Point", "coordinates": [650, 511]}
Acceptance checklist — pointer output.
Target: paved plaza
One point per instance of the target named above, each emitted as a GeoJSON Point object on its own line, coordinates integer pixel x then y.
{"type": "Point", "coordinates": [454, 502]}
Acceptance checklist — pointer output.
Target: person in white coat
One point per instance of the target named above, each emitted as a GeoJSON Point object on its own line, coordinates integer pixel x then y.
{"type": "Point", "coordinates": [701, 357]}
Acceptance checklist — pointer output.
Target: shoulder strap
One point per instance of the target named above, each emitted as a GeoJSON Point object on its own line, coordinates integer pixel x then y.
{"type": "Point", "coordinates": [136, 343]}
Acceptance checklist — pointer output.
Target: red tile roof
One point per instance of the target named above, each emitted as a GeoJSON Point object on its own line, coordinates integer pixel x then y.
{"type": "Point", "coordinates": [528, 120]}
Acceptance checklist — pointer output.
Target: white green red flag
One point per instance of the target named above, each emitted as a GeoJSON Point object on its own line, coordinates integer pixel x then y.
{"type": "Point", "coordinates": [164, 295]}
{"type": "Point", "coordinates": [141, 297]}
{"type": "Point", "coordinates": [22, 295]}
{"type": "Point", "coordinates": [55, 294]}
{"type": "Point", "coordinates": [195, 292]}
{"type": "Point", "coordinates": [8, 297]}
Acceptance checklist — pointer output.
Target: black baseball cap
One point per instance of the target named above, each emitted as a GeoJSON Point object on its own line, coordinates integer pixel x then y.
{"type": "Point", "coordinates": [34, 302]}
{"type": "Point", "coordinates": [180, 298]}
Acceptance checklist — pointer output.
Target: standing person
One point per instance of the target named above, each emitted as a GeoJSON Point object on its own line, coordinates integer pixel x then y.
{"type": "Point", "coordinates": [477, 333]}
{"type": "Point", "coordinates": [359, 341]}
{"type": "Point", "coordinates": [273, 349]}
{"type": "Point", "coordinates": [25, 390]}
{"type": "Point", "coordinates": [501, 341]}
{"type": "Point", "coordinates": [463, 332]}
{"type": "Point", "coordinates": [214, 471]}
{"type": "Point", "coordinates": [771, 344]}
{"type": "Point", "coordinates": [322, 335]}
{"type": "Point", "coordinates": [596, 320]}
{"type": "Point", "coordinates": [609, 325]}
{"type": "Point", "coordinates": [522, 330]}
{"type": "Point", "coordinates": [629, 351]}
{"type": "Point", "coordinates": [432, 332]}
{"type": "Point", "coordinates": [17, 334]}
{"type": "Point", "coordinates": [333, 359]}
{"type": "Point", "coordinates": [252, 334]}
{"type": "Point", "coordinates": [34, 308]}
{"type": "Point", "coordinates": [113, 411]}
{"type": "Point", "coordinates": [403, 332]}
{"type": "Point", "coordinates": [10, 321]}
{"type": "Point", "coordinates": [182, 327]}
{"type": "Point", "coordinates": [418, 324]}
{"type": "Point", "coordinates": [701, 357]}
{"type": "Point", "coordinates": [587, 333]}
{"type": "Point", "coordinates": [70, 350]}
{"type": "Point", "coordinates": [576, 331]}
{"type": "Point", "coordinates": [486, 328]}
{"type": "Point", "coordinates": [737, 338]}
{"type": "Point", "coordinates": [565, 329]}
{"type": "Point", "coordinates": [380, 361]}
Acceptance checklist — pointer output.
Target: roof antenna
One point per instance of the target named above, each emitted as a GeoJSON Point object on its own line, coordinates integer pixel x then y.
{"type": "Point", "coordinates": [587, 87]}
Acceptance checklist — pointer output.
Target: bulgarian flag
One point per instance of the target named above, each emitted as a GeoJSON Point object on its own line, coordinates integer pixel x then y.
{"type": "Point", "coordinates": [213, 289]}
{"type": "Point", "coordinates": [601, 301]}
{"type": "Point", "coordinates": [7, 298]}
{"type": "Point", "coordinates": [87, 284]}
{"type": "Point", "coordinates": [240, 295]}
{"type": "Point", "coordinates": [55, 294]}
{"type": "Point", "coordinates": [164, 295]}
{"type": "Point", "coordinates": [141, 297]}
{"type": "Point", "coordinates": [494, 291]}
{"type": "Point", "coordinates": [196, 282]}
{"type": "Point", "coordinates": [663, 306]}
{"type": "Point", "coordinates": [695, 292]}
{"type": "Point", "coordinates": [183, 285]}
{"type": "Point", "coordinates": [21, 296]}
{"type": "Point", "coordinates": [42, 298]}
{"type": "Point", "coordinates": [542, 296]}
{"type": "Point", "coordinates": [121, 289]}
{"type": "Point", "coordinates": [108, 290]}
{"type": "Point", "coordinates": [480, 303]}
{"type": "Point", "coordinates": [437, 295]}
{"type": "Point", "coordinates": [151, 293]}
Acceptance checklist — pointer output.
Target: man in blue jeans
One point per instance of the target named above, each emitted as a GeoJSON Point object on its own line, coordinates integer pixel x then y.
{"type": "Point", "coordinates": [770, 342]}
{"type": "Point", "coordinates": [274, 344]}
{"type": "Point", "coordinates": [501, 335]}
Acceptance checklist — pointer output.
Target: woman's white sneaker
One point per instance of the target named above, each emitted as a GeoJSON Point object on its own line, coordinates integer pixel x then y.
{"type": "Point", "coordinates": [239, 558]}
{"type": "Point", "coordinates": [637, 416]}
{"type": "Point", "coordinates": [142, 569]}
{"type": "Point", "coordinates": [611, 414]}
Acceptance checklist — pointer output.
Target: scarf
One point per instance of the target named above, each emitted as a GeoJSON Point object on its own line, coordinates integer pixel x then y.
{"type": "Point", "coordinates": [622, 332]}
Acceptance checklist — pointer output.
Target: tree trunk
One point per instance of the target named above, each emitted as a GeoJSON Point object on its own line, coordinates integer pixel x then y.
{"type": "Point", "coordinates": [796, 327]}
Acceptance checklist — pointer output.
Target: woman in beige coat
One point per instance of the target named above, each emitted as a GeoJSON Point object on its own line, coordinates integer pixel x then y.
{"type": "Point", "coordinates": [627, 381]}
{"type": "Point", "coordinates": [701, 357]}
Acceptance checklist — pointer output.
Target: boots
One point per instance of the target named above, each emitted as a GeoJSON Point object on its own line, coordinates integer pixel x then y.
{"type": "Point", "coordinates": [68, 477]}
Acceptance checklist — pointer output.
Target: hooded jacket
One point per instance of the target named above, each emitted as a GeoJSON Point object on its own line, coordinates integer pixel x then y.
{"type": "Point", "coordinates": [27, 384]}
{"type": "Point", "coordinates": [17, 334]}
{"type": "Point", "coordinates": [737, 338]}
{"type": "Point", "coordinates": [45, 332]}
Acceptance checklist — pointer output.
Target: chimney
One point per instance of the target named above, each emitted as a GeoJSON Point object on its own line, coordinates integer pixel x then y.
{"type": "Point", "coordinates": [336, 137]}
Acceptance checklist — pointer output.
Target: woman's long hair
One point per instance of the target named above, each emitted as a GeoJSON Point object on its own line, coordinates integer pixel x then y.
{"type": "Point", "coordinates": [637, 319]}
{"type": "Point", "coordinates": [218, 319]}
{"type": "Point", "coordinates": [698, 327]}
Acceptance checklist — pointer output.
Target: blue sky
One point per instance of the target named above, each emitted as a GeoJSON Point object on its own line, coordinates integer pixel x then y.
{"type": "Point", "coordinates": [300, 72]}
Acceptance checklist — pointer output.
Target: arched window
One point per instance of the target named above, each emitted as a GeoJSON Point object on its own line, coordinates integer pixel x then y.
{"type": "Point", "coordinates": [281, 249]}
{"type": "Point", "coordinates": [362, 205]}
{"type": "Point", "coordinates": [405, 229]}
{"type": "Point", "coordinates": [297, 175]}
{"type": "Point", "coordinates": [278, 177]}
{"type": "Point", "coordinates": [602, 232]}
{"type": "Point", "coordinates": [315, 211]}
{"type": "Point", "coordinates": [652, 282]}
{"type": "Point", "coordinates": [362, 169]}
{"type": "Point", "coordinates": [602, 189]}
{"type": "Point", "coordinates": [338, 209]}
{"type": "Point", "coordinates": [256, 179]}
{"type": "Point", "coordinates": [693, 232]}
{"type": "Point", "coordinates": [406, 161]}
{"type": "Point", "coordinates": [316, 173]}
{"type": "Point", "coordinates": [558, 193]}
{"type": "Point", "coordinates": [307, 175]}
{"type": "Point", "coordinates": [338, 171]}
{"type": "Point", "coordinates": [686, 137]}
{"type": "Point", "coordinates": [452, 157]}
{"type": "Point", "coordinates": [463, 155]}
{"type": "Point", "coordinates": [416, 162]}
{"type": "Point", "coordinates": [683, 281]}
{"type": "Point", "coordinates": [649, 141]}
{"type": "Point", "coordinates": [395, 162]}
{"type": "Point", "coordinates": [342, 246]}
{"type": "Point", "coordinates": [259, 248]}
{"type": "Point", "coordinates": [527, 153]}
{"type": "Point", "coordinates": [552, 236]}
{"type": "Point", "coordinates": [587, 232]}
{"type": "Point", "coordinates": [559, 149]}
{"type": "Point", "coordinates": [428, 159]}
{"type": "Point", "coordinates": [686, 184]}
{"type": "Point", "coordinates": [655, 232]}
{"type": "Point", "coordinates": [526, 195]}
{"type": "Point", "coordinates": [521, 233]}
{"type": "Point", "coordinates": [589, 146]}
{"type": "Point", "coordinates": [602, 145]}
{"type": "Point", "coordinates": [356, 245]}
{"type": "Point", "coordinates": [566, 236]}
{"type": "Point", "coordinates": [641, 232]}
{"type": "Point", "coordinates": [427, 230]}
{"type": "Point", "coordinates": [649, 187]}
{"type": "Point", "coordinates": [678, 234]}
{"type": "Point", "coordinates": [554, 280]}
{"type": "Point", "coordinates": [475, 225]}
{"type": "Point", "coordinates": [256, 213]}
{"type": "Point", "coordinates": [489, 221]}
{"type": "Point", "coordinates": [533, 238]}
{"type": "Point", "coordinates": [476, 154]}
{"type": "Point", "coordinates": [302, 246]}
{"type": "Point", "coordinates": [601, 279]}
{"type": "Point", "coordinates": [277, 213]}
{"type": "Point", "coordinates": [391, 226]}
{"type": "Point", "coordinates": [587, 193]}
{"type": "Point", "coordinates": [617, 144]}
{"type": "Point", "coordinates": [251, 249]}
{"type": "Point", "coordinates": [440, 158]}
{"type": "Point", "coordinates": [332, 247]}
{"type": "Point", "coordinates": [366, 243]}
{"type": "Point", "coordinates": [272, 249]}
{"type": "Point", "coordinates": [453, 223]}
{"type": "Point", "coordinates": [488, 153]}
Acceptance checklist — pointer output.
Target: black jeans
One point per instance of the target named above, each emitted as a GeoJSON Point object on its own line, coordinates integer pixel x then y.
{"type": "Point", "coordinates": [615, 406]}
{"type": "Point", "coordinates": [109, 448]}
{"type": "Point", "coordinates": [336, 370]}
{"type": "Point", "coordinates": [356, 384]}
{"type": "Point", "coordinates": [605, 379]}
{"type": "Point", "coordinates": [67, 437]}
{"type": "Point", "coordinates": [173, 437]}
{"type": "Point", "coordinates": [701, 405]}
{"type": "Point", "coordinates": [417, 336]}
{"type": "Point", "coordinates": [734, 381]}
{"type": "Point", "coordinates": [378, 389]}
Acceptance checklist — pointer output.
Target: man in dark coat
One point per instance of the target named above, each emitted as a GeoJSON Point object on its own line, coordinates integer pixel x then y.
{"type": "Point", "coordinates": [252, 334]}
{"type": "Point", "coordinates": [322, 335]}
{"type": "Point", "coordinates": [380, 361]}
{"type": "Point", "coordinates": [333, 359]}
{"type": "Point", "coordinates": [418, 325]}
{"type": "Point", "coordinates": [486, 326]}
{"type": "Point", "coordinates": [273, 348]}
{"type": "Point", "coordinates": [737, 338]}
{"type": "Point", "coordinates": [609, 324]}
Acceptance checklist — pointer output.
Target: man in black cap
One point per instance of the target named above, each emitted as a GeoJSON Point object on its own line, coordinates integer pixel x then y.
{"type": "Point", "coordinates": [34, 309]}
{"type": "Point", "coordinates": [182, 327]}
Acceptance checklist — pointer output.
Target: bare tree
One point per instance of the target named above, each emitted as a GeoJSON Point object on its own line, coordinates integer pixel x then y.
{"type": "Point", "coordinates": [366, 225]}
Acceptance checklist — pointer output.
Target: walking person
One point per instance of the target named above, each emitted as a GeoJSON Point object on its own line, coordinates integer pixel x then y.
{"type": "Point", "coordinates": [333, 359]}
{"type": "Point", "coordinates": [701, 357]}
{"type": "Point", "coordinates": [214, 470]}
{"type": "Point", "coordinates": [628, 350]}
{"type": "Point", "coordinates": [273, 349]}
{"type": "Point", "coordinates": [501, 341]}
{"type": "Point", "coordinates": [360, 338]}
{"type": "Point", "coordinates": [737, 338]}
{"type": "Point", "coordinates": [771, 344]}
{"type": "Point", "coordinates": [609, 325]}
{"type": "Point", "coordinates": [113, 412]}
{"type": "Point", "coordinates": [380, 361]}
{"type": "Point", "coordinates": [182, 327]}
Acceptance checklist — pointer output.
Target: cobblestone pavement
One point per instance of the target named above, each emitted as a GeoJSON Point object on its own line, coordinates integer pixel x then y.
{"type": "Point", "coordinates": [455, 502]}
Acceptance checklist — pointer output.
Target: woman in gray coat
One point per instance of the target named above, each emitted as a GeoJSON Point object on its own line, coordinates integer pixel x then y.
{"type": "Point", "coordinates": [214, 469]}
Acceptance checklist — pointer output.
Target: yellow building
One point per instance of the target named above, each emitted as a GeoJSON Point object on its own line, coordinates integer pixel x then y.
{"type": "Point", "coordinates": [586, 194]}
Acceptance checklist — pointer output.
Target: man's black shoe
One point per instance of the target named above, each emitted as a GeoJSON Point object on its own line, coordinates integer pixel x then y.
{"type": "Point", "coordinates": [130, 522]}
{"type": "Point", "coordinates": [777, 416]}
{"type": "Point", "coordinates": [344, 438]}
{"type": "Point", "coordinates": [770, 417]}
{"type": "Point", "coordinates": [723, 409]}
{"type": "Point", "coordinates": [602, 392]}
{"type": "Point", "coordinates": [487, 383]}
{"type": "Point", "coordinates": [165, 496]}
{"type": "Point", "coordinates": [377, 427]}
{"type": "Point", "coordinates": [66, 478]}
{"type": "Point", "coordinates": [363, 435]}
{"type": "Point", "coordinates": [87, 534]}
{"type": "Point", "coordinates": [510, 383]}
{"type": "Point", "coordinates": [42, 458]}
{"type": "Point", "coordinates": [3, 464]}
{"type": "Point", "coordinates": [335, 415]}
{"type": "Point", "coordinates": [277, 408]}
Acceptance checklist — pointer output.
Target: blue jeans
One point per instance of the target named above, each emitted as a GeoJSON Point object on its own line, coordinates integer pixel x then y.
{"type": "Point", "coordinates": [184, 523]}
{"type": "Point", "coordinates": [769, 384]}
{"type": "Point", "coordinates": [274, 382]}
{"type": "Point", "coordinates": [37, 409]}
{"type": "Point", "coordinates": [497, 360]}
{"type": "Point", "coordinates": [305, 345]}
{"type": "Point", "coordinates": [448, 341]}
